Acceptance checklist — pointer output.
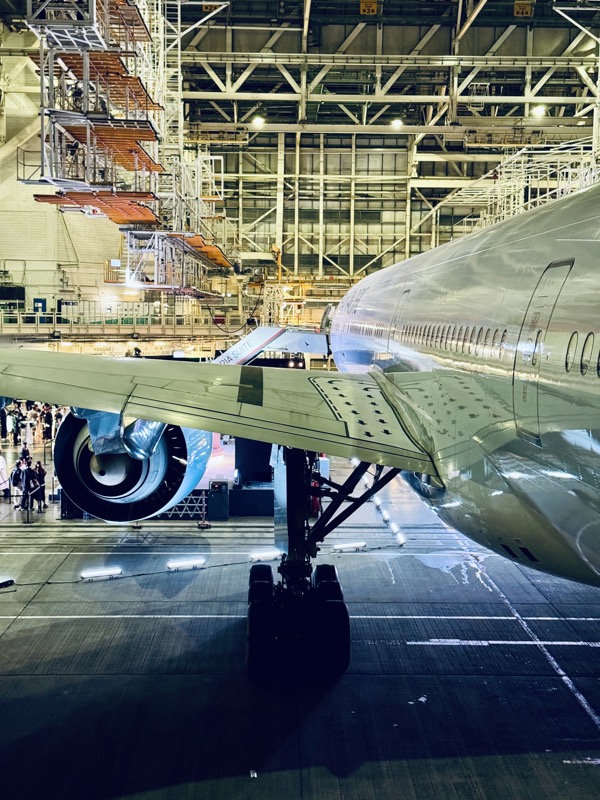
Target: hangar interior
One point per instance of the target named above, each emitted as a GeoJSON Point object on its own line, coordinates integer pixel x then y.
{"type": "Point", "coordinates": [174, 174]}
{"type": "Point", "coordinates": [183, 171]}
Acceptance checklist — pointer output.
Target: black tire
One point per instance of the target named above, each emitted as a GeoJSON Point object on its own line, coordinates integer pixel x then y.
{"type": "Point", "coordinates": [260, 640]}
{"type": "Point", "coordinates": [261, 572]}
{"type": "Point", "coordinates": [328, 590]}
{"type": "Point", "coordinates": [260, 592]}
{"type": "Point", "coordinates": [333, 637]}
{"type": "Point", "coordinates": [325, 572]}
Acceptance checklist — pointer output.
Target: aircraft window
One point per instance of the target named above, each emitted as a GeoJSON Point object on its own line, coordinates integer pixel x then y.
{"type": "Point", "coordinates": [479, 341]}
{"type": "Point", "coordinates": [486, 341]}
{"type": "Point", "coordinates": [495, 340]}
{"type": "Point", "coordinates": [472, 340]}
{"type": "Point", "coordinates": [453, 338]}
{"type": "Point", "coordinates": [465, 339]}
{"type": "Point", "coordinates": [502, 346]}
{"type": "Point", "coordinates": [586, 353]}
{"type": "Point", "coordinates": [445, 336]}
{"type": "Point", "coordinates": [458, 339]}
{"type": "Point", "coordinates": [571, 348]}
{"type": "Point", "coordinates": [536, 350]}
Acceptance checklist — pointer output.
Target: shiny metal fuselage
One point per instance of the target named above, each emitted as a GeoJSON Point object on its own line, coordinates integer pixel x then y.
{"type": "Point", "coordinates": [501, 333]}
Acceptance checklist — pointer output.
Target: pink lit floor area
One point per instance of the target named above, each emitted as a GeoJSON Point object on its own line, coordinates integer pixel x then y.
{"type": "Point", "coordinates": [222, 462]}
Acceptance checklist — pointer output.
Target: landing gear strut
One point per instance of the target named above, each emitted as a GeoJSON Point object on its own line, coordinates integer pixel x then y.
{"type": "Point", "coordinates": [301, 623]}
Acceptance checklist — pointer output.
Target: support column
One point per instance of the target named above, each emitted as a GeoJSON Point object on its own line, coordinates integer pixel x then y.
{"type": "Point", "coordinates": [321, 202]}
{"type": "Point", "coordinates": [411, 152]}
{"type": "Point", "coordinates": [297, 205]}
{"type": "Point", "coordinates": [351, 248]}
{"type": "Point", "coordinates": [279, 199]}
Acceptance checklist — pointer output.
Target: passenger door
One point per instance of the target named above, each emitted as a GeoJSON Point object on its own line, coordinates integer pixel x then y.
{"type": "Point", "coordinates": [530, 349]}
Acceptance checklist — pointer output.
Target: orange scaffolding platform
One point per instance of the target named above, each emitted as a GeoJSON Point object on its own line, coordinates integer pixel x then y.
{"type": "Point", "coordinates": [123, 208]}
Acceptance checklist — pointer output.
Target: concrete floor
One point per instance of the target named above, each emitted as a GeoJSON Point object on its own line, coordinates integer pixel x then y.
{"type": "Point", "coordinates": [470, 677]}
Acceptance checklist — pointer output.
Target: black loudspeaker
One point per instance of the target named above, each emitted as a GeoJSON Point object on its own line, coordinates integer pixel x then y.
{"type": "Point", "coordinates": [217, 502]}
{"type": "Point", "coordinates": [252, 460]}
{"type": "Point", "coordinates": [68, 509]}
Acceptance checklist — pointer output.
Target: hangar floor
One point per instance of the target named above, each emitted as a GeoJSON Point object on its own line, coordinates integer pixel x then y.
{"type": "Point", "coordinates": [470, 677]}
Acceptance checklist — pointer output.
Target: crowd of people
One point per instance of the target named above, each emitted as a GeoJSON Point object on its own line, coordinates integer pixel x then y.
{"type": "Point", "coordinates": [25, 425]}
{"type": "Point", "coordinates": [29, 422]}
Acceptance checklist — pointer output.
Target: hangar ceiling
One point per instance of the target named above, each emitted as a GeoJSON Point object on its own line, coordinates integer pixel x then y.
{"type": "Point", "coordinates": [342, 125]}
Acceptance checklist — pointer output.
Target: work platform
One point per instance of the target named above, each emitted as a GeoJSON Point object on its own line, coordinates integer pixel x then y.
{"type": "Point", "coordinates": [470, 677]}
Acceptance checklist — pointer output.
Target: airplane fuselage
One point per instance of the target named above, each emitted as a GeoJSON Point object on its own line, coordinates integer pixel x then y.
{"type": "Point", "coordinates": [502, 333]}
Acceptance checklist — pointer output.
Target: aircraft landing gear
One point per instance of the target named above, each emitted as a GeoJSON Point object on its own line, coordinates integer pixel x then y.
{"type": "Point", "coordinates": [300, 625]}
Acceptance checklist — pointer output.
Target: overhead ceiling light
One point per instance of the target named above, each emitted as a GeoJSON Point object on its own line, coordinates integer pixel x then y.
{"type": "Point", "coordinates": [396, 123]}
{"type": "Point", "coordinates": [538, 111]}
{"type": "Point", "coordinates": [258, 121]}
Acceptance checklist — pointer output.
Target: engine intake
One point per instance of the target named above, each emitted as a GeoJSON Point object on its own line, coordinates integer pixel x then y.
{"type": "Point", "coordinates": [118, 488]}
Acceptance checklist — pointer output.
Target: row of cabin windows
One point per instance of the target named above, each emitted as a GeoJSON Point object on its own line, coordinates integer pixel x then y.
{"type": "Point", "coordinates": [585, 359]}
{"type": "Point", "coordinates": [457, 339]}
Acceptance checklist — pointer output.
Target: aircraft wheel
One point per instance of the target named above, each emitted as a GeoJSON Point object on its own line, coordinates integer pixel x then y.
{"type": "Point", "coordinates": [260, 639]}
{"type": "Point", "coordinates": [324, 572]}
{"type": "Point", "coordinates": [328, 590]}
{"type": "Point", "coordinates": [333, 636]}
{"type": "Point", "coordinates": [261, 572]}
{"type": "Point", "coordinates": [261, 592]}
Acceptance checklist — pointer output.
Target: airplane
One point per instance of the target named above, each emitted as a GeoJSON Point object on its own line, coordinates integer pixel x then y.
{"type": "Point", "coordinates": [471, 370]}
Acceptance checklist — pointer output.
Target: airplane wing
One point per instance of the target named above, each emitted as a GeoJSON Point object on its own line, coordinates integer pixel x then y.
{"type": "Point", "coordinates": [343, 414]}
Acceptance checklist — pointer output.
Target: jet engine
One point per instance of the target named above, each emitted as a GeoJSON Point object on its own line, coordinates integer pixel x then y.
{"type": "Point", "coordinates": [118, 487]}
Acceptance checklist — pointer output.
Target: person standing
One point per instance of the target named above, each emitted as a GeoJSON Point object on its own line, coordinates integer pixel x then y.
{"type": "Point", "coordinates": [47, 423]}
{"type": "Point", "coordinates": [40, 493]}
{"type": "Point", "coordinates": [4, 482]}
{"type": "Point", "coordinates": [17, 416]}
{"type": "Point", "coordinates": [16, 482]}
{"type": "Point", "coordinates": [29, 485]}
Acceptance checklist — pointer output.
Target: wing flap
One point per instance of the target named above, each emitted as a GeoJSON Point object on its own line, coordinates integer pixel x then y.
{"type": "Point", "coordinates": [339, 413]}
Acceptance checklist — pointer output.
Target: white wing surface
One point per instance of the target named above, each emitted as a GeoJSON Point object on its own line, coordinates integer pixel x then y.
{"type": "Point", "coordinates": [341, 414]}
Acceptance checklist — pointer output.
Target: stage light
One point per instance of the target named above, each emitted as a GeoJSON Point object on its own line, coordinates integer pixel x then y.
{"type": "Point", "coordinates": [186, 563]}
{"type": "Point", "coordinates": [266, 555]}
{"type": "Point", "coordinates": [100, 573]}
{"type": "Point", "coordinates": [349, 546]}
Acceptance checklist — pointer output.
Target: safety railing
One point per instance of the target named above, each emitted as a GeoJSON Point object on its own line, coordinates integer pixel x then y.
{"type": "Point", "coordinates": [55, 325]}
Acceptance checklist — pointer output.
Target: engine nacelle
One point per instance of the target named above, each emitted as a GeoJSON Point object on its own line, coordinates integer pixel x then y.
{"type": "Point", "coordinates": [118, 488]}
